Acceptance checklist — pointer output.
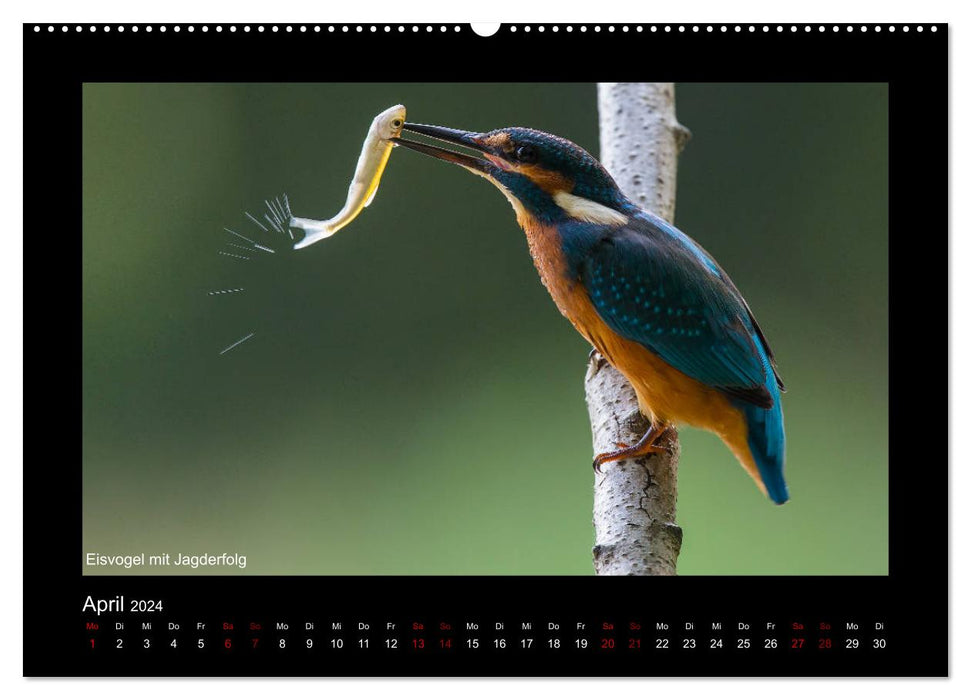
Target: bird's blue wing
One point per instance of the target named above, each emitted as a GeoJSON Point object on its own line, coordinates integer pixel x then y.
{"type": "Point", "coordinates": [657, 287]}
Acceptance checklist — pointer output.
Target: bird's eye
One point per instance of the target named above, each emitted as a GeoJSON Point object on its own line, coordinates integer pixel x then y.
{"type": "Point", "coordinates": [526, 154]}
{"type": "Point", "coordinates": [396, 123]}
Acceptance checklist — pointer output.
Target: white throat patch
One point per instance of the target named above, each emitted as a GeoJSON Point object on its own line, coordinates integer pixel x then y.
{"type": "Point", "coordinates": [588, 210]}
{"type": "Point", "coordinates": [517, 206]}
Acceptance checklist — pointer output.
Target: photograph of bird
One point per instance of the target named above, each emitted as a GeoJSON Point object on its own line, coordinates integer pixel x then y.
{"type": "Point", "coordinates": [649, 298]}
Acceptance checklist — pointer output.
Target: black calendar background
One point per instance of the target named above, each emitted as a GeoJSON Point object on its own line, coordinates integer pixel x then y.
{"type": "Point", "coordinates": [909, 605]}
{"type": "Point", "coordinates": [448, 625]}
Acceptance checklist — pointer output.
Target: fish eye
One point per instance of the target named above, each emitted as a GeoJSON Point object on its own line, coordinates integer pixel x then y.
{"type": "Point", "coordinates": [526, 154]}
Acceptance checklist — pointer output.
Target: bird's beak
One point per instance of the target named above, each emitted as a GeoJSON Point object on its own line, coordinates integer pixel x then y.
{"type": "Point", "coordinates": [461, 138]}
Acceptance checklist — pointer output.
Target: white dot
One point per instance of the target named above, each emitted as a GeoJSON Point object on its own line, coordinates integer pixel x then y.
{"type": "Point", "coordinates": [906, 28]}
{"type": "Point", "coordinates": [934, 28]}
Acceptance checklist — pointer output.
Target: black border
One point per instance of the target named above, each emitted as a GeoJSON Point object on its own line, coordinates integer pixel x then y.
{"type": "Point", "coordinates": [912, 601]}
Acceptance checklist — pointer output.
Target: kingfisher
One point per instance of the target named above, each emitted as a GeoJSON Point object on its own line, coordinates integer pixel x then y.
{"type": "Point", "coordinates": [648, 298]}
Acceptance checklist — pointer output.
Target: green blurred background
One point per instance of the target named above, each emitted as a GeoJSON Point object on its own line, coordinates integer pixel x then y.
{"type": "Point", "coordinates": [411, 401]}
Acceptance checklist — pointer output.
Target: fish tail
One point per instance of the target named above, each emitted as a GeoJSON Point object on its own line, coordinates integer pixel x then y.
{"type": "Point", "coordinates": [313, 231]}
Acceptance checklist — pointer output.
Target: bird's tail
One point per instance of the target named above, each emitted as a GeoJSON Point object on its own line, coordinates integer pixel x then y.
{"type": "Point", "coordinates": [313, 231]}
{"type": "Point", "coordinates": [767, 437]}
{"type": "Point", "coordinates": [767, 444]}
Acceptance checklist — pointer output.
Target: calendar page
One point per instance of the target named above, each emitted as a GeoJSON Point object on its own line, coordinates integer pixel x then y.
{"type": "Point", "coordinates": [439, 350]}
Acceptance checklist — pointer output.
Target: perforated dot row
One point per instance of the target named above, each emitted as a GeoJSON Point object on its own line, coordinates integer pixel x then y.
{"type": "Point", "coordinates": [414, 28]}
{"type": "Point", "coordinates": [298, 28]}
{"type": "Point", "coordinates": [737, 28]}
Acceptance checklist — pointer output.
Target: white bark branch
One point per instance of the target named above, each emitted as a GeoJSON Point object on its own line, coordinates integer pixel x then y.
{"type": "Point", "coordinates": [634, 500]}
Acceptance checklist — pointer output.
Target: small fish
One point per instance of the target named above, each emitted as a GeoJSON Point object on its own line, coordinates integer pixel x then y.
{"type": "Point", "coordinates": [370, 166]}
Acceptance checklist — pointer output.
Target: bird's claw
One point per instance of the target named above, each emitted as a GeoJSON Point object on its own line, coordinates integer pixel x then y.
{"type": "Point", "coordinates": [600, 460]}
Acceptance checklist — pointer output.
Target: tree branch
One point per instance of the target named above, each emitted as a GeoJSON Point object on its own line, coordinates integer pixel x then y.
{"type": "Point", "coordinates": [634, 500]}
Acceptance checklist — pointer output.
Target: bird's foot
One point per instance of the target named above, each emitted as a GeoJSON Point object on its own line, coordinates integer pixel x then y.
{"type": "Point", "coordinates": [651, 443]}
{"type": "Point", "coordinates": [624, 453]}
